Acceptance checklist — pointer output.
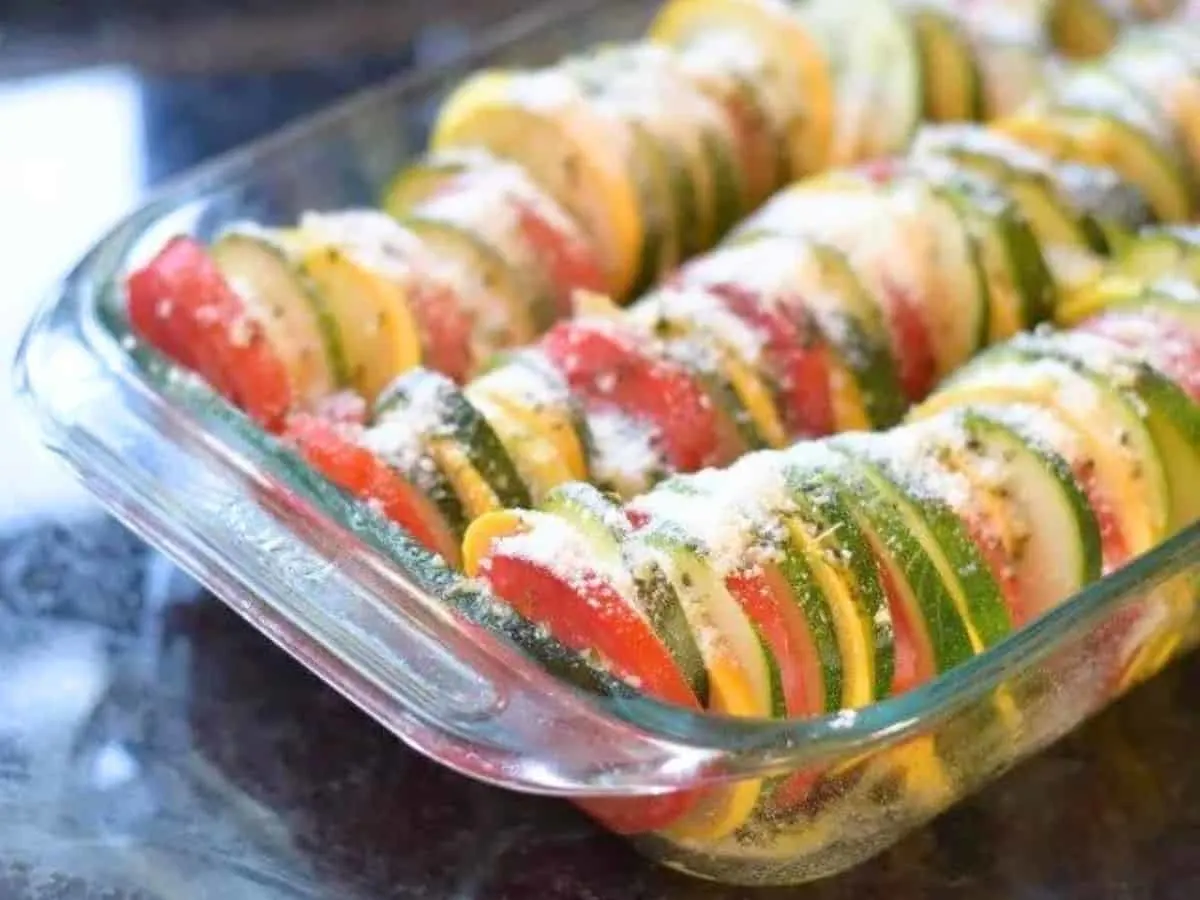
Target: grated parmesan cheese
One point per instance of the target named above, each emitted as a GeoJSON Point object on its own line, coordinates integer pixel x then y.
{"type": "Point", "coordinates": [627, 457]}
{"type": "Point", "coordinates": [725, 512]}
{"type": "Point", "coordinates": [704, 312]}
{"type": "Point", "coordinates": [552, 543]}
{"type": "Point", "coordinates": [400, 437]}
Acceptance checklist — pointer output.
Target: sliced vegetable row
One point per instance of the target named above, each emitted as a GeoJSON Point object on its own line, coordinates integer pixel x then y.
{"type": "Point", "coordinates": [657, 147]}
{"type": "Point", "coordinates": [1136, 109]}
{"type": "Point", "coordinates": [478, 260]}
{"type": "Point", "coordinates": [844, 571]}
{"type": "Point", "coordinates": [839, 303]}
{"type": "Point", "coordinates": [628, 160]}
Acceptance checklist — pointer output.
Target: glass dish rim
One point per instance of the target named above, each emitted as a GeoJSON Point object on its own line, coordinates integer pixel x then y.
{"type": "Point", "coordinates": [763, 745]}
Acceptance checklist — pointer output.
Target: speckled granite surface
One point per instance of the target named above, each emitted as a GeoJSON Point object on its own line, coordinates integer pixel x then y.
{"type": "Point", "coordinates": [153, 746]}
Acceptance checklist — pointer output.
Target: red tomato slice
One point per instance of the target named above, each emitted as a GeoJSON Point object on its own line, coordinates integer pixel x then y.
{"type": "Point", "coordinates": [796, 354]}
{"type": "Point", "coordinates": [331, 450]}
{"type": "Point", "coordinates": [1167, 344]}
{"type": "Point", "coordinates": [571, 263]}
{"type": "Point", "coordinates": [763, 595]}
{"type": "Point", "coordinates": [589, 615]}
{"type": "Point", "coordinates": [911, 346]}
{"type": "Point", "coordinates": [914, 663]}
{"type": "Point", "coordinates": [911, 343]}
{"type": "Point", "coordinates": [1114, 549]}
{"type": "Point", "coordinates": [985, 535]}
{"type": "Point", "coordinates": [180, 303]}
{"type": "Point", "coordinates": [606, 366]}
{"type": "Point", "coordinates": [446, 330]}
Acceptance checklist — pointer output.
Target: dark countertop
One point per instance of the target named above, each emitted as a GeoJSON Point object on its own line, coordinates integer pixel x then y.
{"type": "Point", "coordinates": [152, 745]}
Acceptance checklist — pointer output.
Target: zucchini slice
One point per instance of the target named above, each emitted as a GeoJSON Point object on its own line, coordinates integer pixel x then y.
{"type": "Point", "coordinates": [601, 522]}
{"type": "Point", "coordinates": [923, 608]}
{"type": "Point", "coordinates": [698, 551]}
{"type": "Point", "coordinates": [743, 674]}
{"type": "Point", "coordinates": [1119, 291]}
{"type": "Point", "coordinates": [1030, 178]}
{"type": "Point", "coordinates": [1118, 442]}
{"type": "Point", "coordinates": [1156, 253]}
{"type": "Point", "coordinates": [534, 454]}
{"type": "Point", "coordinates": [431, 405]}
{"type": "Point", "coordinates": [1169, 415]}
{"type": "Point", "coordinates": [1093, 117]}
{"type": "Point", "coordinates": [1115, 205]}
{"type": "Point", "coordinates": [907, 482]}
{"type": "Point", "coordinates": [1106, 89]}
{"type": "Point", "coordinates": [293, 312]}
{"type": "Point", "coordinates": [789, 563]}
{"type": "Point", "coordinates": [1047, 533]}
{"type": "Point", "coordinates": [846, 569]}
{"type": "Point", "coordinates": [1062, 551]}
{"type": "Point", "coordinates": [1163, 72]}
{"type": "Point", "coordinates": [532, 389]}
{"type": "Point", "coordinates": [362, 264]}
{"type": "Point", "coordinates": [1021, 289]}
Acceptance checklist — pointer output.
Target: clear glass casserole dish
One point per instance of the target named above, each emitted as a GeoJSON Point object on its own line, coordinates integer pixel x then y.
{"type": "Point", "coordinates": [350, 596]}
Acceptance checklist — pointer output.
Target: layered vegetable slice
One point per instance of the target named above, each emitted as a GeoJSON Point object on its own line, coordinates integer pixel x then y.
{"type": "Point", "coordinates": [182, 304]}
{"type": "Point", "coordinates": [1119, 445]}
{"type": "Point", "coordinates": [912, 252]}
{"type": "Point", "coordinates": [874, 54]}
{"type": "Point", "coordinates": [1093, 116]}
{"type": "Point", "coordinates": [542, 121]}
{"type": "Point", "coordinates": [781, 50]}
{"type": "Point", "coordinates": [1034, 183]}
{"type": "Point", "coordinates": [541, 247]}
{"type": "Point", "coordinates": [393, 302]}
{"type": "Point", "coordinates": [838, 572]}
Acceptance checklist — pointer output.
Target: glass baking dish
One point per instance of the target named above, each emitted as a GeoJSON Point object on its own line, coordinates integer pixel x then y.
{"type": "Point", "coordinates": [351, 597]}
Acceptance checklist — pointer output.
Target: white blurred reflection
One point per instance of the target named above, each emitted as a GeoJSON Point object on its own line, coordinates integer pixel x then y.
{"type": "Point", "coordinates": [70, 163]}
